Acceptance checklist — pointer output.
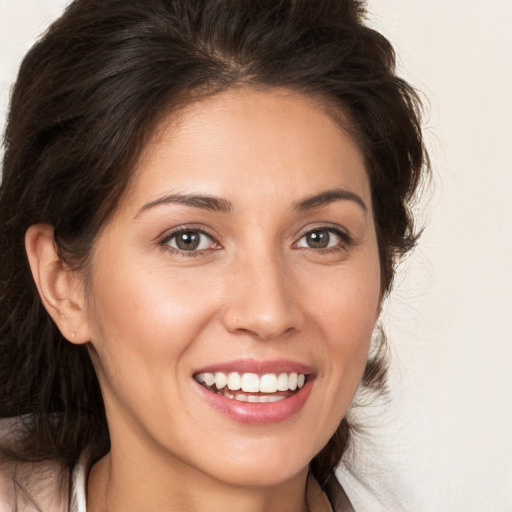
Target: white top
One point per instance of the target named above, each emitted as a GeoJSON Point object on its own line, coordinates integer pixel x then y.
{"type": "Point", "coordinates": [78, 495]}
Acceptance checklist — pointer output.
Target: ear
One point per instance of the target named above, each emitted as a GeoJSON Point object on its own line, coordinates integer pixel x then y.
{"type": "Point", "coordinates": [60, 288]}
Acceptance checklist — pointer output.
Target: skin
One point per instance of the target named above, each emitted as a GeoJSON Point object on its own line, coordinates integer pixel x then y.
{"type": "Point", "coordinates": [154, 314]}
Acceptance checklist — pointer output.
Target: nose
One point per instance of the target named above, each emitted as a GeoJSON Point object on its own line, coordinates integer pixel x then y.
{"type": "Point", "coordinates": [263, 301]}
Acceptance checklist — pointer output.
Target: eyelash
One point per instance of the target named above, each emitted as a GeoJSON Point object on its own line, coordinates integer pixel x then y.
{"type": "Point", "coordinates": [345, 238]}
{"type": "Point", "coordinates": [175, 233]}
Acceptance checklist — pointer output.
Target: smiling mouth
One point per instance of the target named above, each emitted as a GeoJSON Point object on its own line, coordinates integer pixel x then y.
{"type": "Point", "coordinates": [251, 387]}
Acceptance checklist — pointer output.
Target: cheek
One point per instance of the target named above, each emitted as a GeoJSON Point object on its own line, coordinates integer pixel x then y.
{"type": "Point", "coordinates": [349, 339]}
{"type": "Point", "coordinates": [131, 298]}
{"type": "Point", "coordinates": [143, 319]}
{"type": "Point", "coordinates": [347, 313]}
{"type": "Point", "coordinates": [144, 330]}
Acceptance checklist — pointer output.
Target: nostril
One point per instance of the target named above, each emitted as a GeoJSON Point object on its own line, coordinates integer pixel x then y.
{"type": "Point", "coordinates": [260, 325]}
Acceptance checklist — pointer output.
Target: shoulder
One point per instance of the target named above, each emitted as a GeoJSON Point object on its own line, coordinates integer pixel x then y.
{"type": "Point", "coordinates": [31, 486]}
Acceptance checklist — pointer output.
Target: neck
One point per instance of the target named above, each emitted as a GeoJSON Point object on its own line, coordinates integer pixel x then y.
{"type": "Point", "coordinates": [116, 484]}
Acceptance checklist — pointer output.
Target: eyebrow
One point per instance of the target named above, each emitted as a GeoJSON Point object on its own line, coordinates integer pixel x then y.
{"type": "Point", "coordinates": [217, 204]}
{"type": "Point", "coordinates": [211, 203]}
{"type": "Point", "coordinates": [329, 196]}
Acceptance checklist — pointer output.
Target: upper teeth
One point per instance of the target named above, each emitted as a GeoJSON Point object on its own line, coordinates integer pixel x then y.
{"type": "Point", "coordinates": [252, 382]}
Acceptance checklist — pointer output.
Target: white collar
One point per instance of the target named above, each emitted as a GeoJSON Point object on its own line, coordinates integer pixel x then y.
{"type": "Point", "coordinates": [79, 485]}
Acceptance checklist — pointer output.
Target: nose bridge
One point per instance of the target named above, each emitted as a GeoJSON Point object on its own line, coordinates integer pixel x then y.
{"type": "Point", "coordinates": [263, 302]}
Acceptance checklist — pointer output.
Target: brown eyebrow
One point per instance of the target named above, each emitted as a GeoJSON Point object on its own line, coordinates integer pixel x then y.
{"type": "Point", "coordinates": [212, 203]}
{"type": "Point", "coordinates": [220, 205]}
{"type": "Point", "coordinates": [330, 196]}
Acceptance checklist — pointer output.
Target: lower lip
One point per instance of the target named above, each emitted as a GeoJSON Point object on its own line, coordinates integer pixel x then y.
{"type": "Point", "coordinates": [258, 413]}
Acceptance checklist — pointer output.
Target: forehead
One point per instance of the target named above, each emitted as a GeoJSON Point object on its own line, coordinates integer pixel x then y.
{"type": "Point", "coordinates": [248, 143]}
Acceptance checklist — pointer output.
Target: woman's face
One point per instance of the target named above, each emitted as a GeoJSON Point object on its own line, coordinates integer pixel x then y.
{"type": "Point", "coordinates": [244, 253]}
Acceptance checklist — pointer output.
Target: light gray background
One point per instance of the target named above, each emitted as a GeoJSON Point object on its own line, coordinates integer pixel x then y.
{"type": "Point", "coordinates": [443, 440]}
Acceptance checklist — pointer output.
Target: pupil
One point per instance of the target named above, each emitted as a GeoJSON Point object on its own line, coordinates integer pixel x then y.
{"type": "Point", "coordinates": [318, 239]}
{"type": "Point", "coordinates": [188, 241]}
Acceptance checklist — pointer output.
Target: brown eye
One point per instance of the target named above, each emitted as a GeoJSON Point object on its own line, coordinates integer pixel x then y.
{"type": "Point", "coordinates": [190, 241]}
{"type": "Point", "coordinates": [320, 239]}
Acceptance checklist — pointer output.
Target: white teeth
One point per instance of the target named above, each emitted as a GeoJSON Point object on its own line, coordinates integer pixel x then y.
{"type": "Point", "coordinates": [292, 381]}
{"type": "Point", "coordinates": [220, 380]}
{"type": "Point", "coordinates": [234, 381]}
{"type": "Point", "coordinates": [255, 399]}
{"type": "Point", "coordinates": [282, 382]}
{"type": "Point", "coordinates": [250, 383]}
{"type": "Point", "coordinates": [275, 398]}
{"type": "Point", "coordinates": [268, 383]}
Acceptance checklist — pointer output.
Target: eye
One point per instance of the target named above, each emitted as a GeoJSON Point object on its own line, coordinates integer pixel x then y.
{"type": "Point", "coordinates": [321, 238]}
{"type": "Point", "coordinates": [189, 240]}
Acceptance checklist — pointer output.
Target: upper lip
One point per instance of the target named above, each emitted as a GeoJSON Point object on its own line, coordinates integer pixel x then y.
{"type": "Point", "coordinates": [259, 367]}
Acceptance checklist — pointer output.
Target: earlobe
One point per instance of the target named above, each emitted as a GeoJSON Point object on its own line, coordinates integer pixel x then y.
{"type": "Point", "coordinates": [60, 288]}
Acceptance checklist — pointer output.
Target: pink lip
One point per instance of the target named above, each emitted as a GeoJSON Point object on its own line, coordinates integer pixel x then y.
{"type": "Point", "coordinates": [258, 367]}
{"type": "Point", "coordinates": [259, 413]}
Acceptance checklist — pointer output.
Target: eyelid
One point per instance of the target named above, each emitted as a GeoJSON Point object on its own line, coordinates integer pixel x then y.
{"type": "Point", "coordinates": [164, 238]}
{"type": "Point", "coordinates": [342, 233]}
{"type": "Point", "coordinates": [329, 227]}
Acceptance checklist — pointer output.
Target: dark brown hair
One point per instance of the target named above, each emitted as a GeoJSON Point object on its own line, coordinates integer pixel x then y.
{"type": "Point", "coordinates": [89, 95]}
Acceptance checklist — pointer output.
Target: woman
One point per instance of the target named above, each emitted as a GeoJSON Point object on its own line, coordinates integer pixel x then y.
{"type": "Point", "coordinates": [202, 205]}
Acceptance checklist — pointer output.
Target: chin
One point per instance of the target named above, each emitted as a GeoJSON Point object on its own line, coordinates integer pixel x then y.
{"type": "Point", "coordinates": [268, 473]}
{"type": "Point", "coordinates": [265, 463]}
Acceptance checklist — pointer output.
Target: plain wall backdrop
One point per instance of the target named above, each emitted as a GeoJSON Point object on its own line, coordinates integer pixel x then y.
{"type": "Point", "coordinates": [443, 439]}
